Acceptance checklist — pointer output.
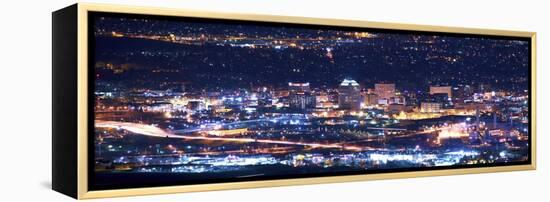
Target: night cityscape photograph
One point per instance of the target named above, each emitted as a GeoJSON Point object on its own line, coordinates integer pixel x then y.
{"type": "Point", "coordinates": [186, 101]}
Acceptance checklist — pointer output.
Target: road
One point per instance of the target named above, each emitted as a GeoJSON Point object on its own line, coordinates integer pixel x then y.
{"type": "Point", "coordinates": [154, 131]}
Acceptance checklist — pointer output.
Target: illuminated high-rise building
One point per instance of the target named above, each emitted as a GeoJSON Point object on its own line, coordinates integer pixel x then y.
{"type": "Point", "coordinates": [298, 87]}
{"type": "Point", "coordinates": [441, 90]}
{"type": "Point", "coordinates": [300, 96]}
{"type": "Point", "coordinates": [302, 100]}
{"type": "Point", "coordinates": [384, 90]}
{"type": "Point", "coordinates": [349, 95]}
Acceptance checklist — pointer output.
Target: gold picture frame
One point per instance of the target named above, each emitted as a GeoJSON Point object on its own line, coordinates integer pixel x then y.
{"type": "Point", "coordinates": [81, 190]}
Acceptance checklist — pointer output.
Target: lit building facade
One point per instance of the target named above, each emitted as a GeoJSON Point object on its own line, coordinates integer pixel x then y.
{"type": "Point", "coordinates": [349, 95]}
{"type": "Point", "coordinates": [441, 90]}
{"type": "Point", "coordinates": [298, 87]}
{"type": "Point", "coordinates": [384, 90]}
{"type": "Point", "coordinates": [371, 99]}
{"type": "Point", "coordinates": [300, 96]}
{"type": "Point", "coordinates": [430, 107]}
{"type": "Point", "coordinates": [302, 100]}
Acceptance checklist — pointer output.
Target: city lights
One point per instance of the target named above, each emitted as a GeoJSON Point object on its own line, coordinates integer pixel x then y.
{"type": "Point", "coordinates": [201, 101]}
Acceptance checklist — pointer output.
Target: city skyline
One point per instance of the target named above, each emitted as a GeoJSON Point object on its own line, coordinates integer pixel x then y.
{"type": "Point", "coordinates": [183, 101]}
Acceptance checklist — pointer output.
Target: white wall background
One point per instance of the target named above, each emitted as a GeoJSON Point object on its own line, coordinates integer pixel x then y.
{"type": "Point", "coordinates": [25, 99]}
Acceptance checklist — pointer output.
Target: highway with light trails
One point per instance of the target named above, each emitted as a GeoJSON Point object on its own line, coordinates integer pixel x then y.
{"type": "Point", "coordinates": [153, 131]}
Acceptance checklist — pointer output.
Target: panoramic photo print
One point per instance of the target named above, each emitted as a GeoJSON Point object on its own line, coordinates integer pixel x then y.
{"type": "Point", "coordinates": [180, 101]}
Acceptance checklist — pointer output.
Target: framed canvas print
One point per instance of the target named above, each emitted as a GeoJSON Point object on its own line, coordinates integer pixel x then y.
{"type": "Point", "coordinates": [151, 100]}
